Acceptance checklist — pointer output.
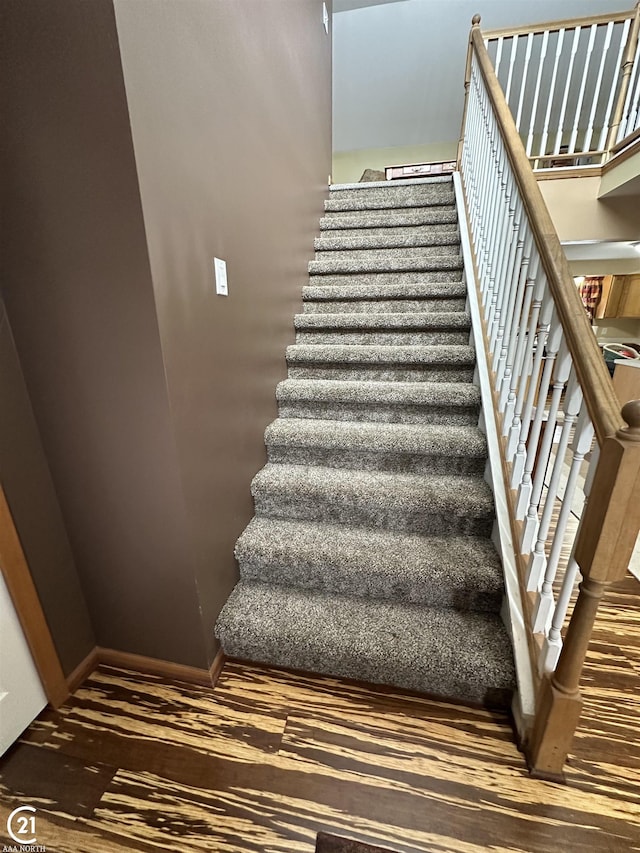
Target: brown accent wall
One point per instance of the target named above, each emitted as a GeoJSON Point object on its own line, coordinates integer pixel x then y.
{"type": "Point", "coordinates": [27, 483]}
{"type": "Point", "coordinates": [230, 105]}
{"type": "Point", "coordinates": [80, 301]}
{"type": "Point", "coordinates": [150, 393]}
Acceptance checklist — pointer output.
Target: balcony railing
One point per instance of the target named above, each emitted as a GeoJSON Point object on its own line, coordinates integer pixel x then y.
{"type": "Point", "coordinates": [570, 459]}
{"type": "Point", "coordinates": [573, 87]}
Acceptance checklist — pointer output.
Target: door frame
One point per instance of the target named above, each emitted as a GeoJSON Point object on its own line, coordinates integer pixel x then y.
{"type": "Point", "coordinates": [26, 601]}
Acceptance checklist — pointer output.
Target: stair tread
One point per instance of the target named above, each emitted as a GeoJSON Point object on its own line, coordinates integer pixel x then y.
{"type": "Point", "coordinates": [460, 495]}
{"type": "Point", "coordinates": [457, 560]}
{"type": "Point", "coordinates": [380, 354]}
{"type": "Point", "coordinates": [442, 236]}
{"type": "Point", "coordinates": [420, 290]}
{"type": "Point", "coordinates": [401, 393]}
{"type": "Point", "coordinates": [425, 195]}
{"type": "Point", "coordinates": [386, 438]}
{"type": "Point", "coordinates": [464, 655]}
{"type": "Point", "coordinates": [460, 572]}
{"type": "Point", "coordinates": [408, 218]}
{"type": "Point", "coordinates": [424, 320]}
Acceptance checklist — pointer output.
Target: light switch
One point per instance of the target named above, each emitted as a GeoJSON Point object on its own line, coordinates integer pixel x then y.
{"type": "Point", "coordinates": [220, 268]}
{"type": "Point", "coordinates": [325, 18]}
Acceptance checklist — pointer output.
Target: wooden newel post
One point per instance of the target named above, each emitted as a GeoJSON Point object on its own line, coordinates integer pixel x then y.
{"type": "Point", "coordinates": [626, 68]}
{"type": "Point", "coordinates": [475, 24]}
{"type": "Point", "coordinates": [605, 543]}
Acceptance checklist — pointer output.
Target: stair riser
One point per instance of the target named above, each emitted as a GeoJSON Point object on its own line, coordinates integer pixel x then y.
{"type": "Point", "coordinates": [381, 337]}
{"type": "Point", "coordinates": [341, 509]}
{"type": "Point", "coordinates": [383, 306]}
{"type": "Point", "coordinates": [377, 207]}
{"type": "Point", "coordinates": [305, 658]}
{"type": "Point", "coordinates": [423, 189]}
{"type": "Point", "coordinates": [383, 279]}
{"type": "Point", "coordinates": [404, 253]}
{"type": "Point", "coordinates": [384, 373]}
{"type": "Point", "coordinates": [380, 413]}
{"type": "Point", "coordinates": [272, 653]}
{"type": "Point", "coordinates": [388, 236]}
{"type": "Point", "coordinates": [402, 222]}
{"type": "Point", "coordinates": [391, 203]}
{"type": "Point", "coordinates": [372, 644]}
{"type": "Point", "coordinates": [367, 461]}
{"type": "Point", "coordinates": [333, 579]}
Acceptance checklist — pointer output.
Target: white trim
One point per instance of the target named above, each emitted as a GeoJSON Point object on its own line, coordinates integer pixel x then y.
{"type": "Point", "coordinates": [512, 612]}
{"type": "Point", "coordinates": [373, 185]}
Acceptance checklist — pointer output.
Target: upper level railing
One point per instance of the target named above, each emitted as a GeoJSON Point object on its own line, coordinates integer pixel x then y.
{"type": "Point", "coordinates": [573, 87]}
{"type": "Point", "coordinates": [571, 465]}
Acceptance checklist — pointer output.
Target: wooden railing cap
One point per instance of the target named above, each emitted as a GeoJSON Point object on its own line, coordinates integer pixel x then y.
{"type": "Point", "coordinates": [631, 415]}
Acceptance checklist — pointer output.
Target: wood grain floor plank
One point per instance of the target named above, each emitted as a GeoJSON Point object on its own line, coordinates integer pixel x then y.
{"type": "Point", "coordinates": [33, 776]}
{"type": "Point", "coordinates": [270, 758]}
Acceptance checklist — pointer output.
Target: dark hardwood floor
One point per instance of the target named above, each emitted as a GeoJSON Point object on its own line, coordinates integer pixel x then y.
{"type": "Point", "coordinates": [270, 758]}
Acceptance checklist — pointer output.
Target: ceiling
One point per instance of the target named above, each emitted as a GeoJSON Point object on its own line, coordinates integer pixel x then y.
{"type": "Point", "coordinates": [399, 65]}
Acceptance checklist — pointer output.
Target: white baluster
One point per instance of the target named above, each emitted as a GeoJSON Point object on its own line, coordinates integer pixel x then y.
{"type": "Point", "coordinates": [526, 359]}
{"type": "Point", "coordinates": [536, 94]}
{"type": "Point", "coordinates": [581, 445]}
{"type": "Point", "coordinates": [523, 83]}
{"type": "Point", "coordinates": [514, 321]}
{"type": "Point", "coordinates": [560, 376]}
{"type": "Point", "coordinates": [506, 246]}
{"type": "Point", "coordinates": [496, 65]}
{"type": "Point", "coordinates": [512, 60]}
{"type": "Point", "coordinates": [565, 97]}
{"type": "Point", "coordinates": [538, 557]}
{"type": "Point", "coordinates": [552, 644]}
{"type": "Point", "coordinates": [525, 490]}
{"type": "Point", "coordinates": [552, 90]}
{"type": "Point", "coordinates": [496, 234]}
{"type": "Point", "coordinates": [520, 458]}
{"type": "Point", "coordinates": [513, 295]}
{"type": "Point", "coordinates": [596, 93]}
{"type": "Point", "coordinates": [583, 85]}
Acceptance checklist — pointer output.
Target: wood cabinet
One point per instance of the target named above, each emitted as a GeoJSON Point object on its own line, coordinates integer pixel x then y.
{"type": "Point", "coordinates": [620, 297]}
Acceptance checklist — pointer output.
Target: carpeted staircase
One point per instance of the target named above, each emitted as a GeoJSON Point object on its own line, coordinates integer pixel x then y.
{"type": "Point", "coordinates": [369, 555]}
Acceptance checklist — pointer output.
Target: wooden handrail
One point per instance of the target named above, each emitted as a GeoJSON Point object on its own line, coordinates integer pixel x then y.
{"type": "Point", "coordinates": [600, 398]}
{"type": "Point", "coordinates": [625, 143]}
{"type": "Point", "coordinates": [552, 26]}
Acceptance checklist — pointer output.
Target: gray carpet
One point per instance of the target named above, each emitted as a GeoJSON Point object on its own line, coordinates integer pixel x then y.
{"type": "Point", "coordinates": [369, 556]}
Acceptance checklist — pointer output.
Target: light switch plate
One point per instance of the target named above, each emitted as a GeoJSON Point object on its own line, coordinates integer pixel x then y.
{"type": "Point", "coordinates": [220, 268]}
{"type": "Point", "coordinates": [325, 18]}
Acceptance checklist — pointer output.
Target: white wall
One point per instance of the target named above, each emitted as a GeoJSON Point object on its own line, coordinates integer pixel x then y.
{"type": "Point", "coordinates": [399, 66]}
